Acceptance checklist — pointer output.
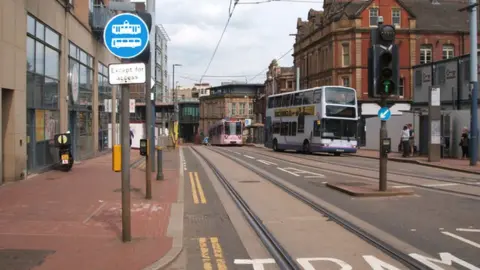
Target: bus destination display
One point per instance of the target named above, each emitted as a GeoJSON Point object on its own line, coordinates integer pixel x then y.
{"type": "Point", "coordinates": [340, 111]}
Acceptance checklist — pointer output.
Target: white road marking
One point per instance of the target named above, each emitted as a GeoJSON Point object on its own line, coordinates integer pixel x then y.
{"type": "Point", "coordinates": [282, 169]}
{"type": "Point", "coordinates": [324, 182]}
{"type": "Point", "coordinates": [298, 172]}
{"type": "Point", "coordinates": [465, 240]}
{"type": "Point", "coordinates": [266, 162]}
{"type": "Point", "coordinates": [468, 230]}
{"type": "Point", "coordinates": [237, 153]}
{"type": "Point", "coordinates": [406, 186]}
{"type": "Point", "coordinates": [440, 185]}
{"type": "Point", "coordinates": [250, 157]}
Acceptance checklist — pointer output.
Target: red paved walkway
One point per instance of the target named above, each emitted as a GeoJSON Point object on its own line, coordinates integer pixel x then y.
{"type": "Point", "coordinates": [451, 164]}
{"type": "Point", "coordinates": [77, 217]}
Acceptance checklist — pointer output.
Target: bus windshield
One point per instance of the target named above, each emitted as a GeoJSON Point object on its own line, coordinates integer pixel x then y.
{"type": "Point", "coordinates": [233, 128]}
{"type": "Point", "coordinates": [339, 129]}
{"type": "Point", "coordinates": [339, 95]}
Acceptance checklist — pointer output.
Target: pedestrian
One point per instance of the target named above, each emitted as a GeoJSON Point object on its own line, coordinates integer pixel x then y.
{"type": "Point", "coordinates": [411, 139]}
{"type": "Point", "coordinates": [405, 139]}
{"type": "Point", "coordinates": [464, 143]}
{"type": "Point", "coordinates": [131, 137]}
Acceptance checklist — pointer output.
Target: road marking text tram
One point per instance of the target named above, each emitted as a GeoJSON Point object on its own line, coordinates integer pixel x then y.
{"type": "Point", "coordinates": [373, 262]}
{"type": "Point", "coordinates": [217, 253]}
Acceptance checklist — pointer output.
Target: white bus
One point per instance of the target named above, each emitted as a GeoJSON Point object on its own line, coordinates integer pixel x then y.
{"type": "Point", "coordinates": [320, 119]}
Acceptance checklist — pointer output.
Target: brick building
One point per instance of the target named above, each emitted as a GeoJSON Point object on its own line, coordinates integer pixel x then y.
{"type": "Point", "coordinates": [279, 79]}
{"type": "Point", "coordinates": [331, 46]}
{"type": "Point", "coordinates": [228, 100]}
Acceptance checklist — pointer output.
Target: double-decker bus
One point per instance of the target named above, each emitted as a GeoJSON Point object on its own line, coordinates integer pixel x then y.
{"type": "Point", "coordinates": [226, 132]}
{"type": "Point", "coordinates": [320, 119]}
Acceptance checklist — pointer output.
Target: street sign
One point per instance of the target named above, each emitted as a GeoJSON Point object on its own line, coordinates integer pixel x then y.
{"type": "Point", "coordinates": [132, 73]}
{"type": "Point", "coordinates": [384, 114]}
{"type": "Point", "coordinates": [131, 105]}
{"type": "Point", "coordinates": [152, 83]}
{"type": "Point", "coordinates": [126, 35]}
{"type": "Point", "coordinates": [248, 122]}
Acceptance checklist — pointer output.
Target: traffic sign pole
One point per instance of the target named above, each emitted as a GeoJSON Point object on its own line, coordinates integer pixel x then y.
{"type": "Point", "coordinates": [383, 155]}
{"type": "Point", "coordinates": [126, 36]}
{"type": "Point", "coordinates": [125, 139]}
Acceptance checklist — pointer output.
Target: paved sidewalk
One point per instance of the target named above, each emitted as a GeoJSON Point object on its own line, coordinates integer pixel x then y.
{"type": "Point", "coordinates": [72, 220]}
{"type": "Point", "coordinates": [461, 165]}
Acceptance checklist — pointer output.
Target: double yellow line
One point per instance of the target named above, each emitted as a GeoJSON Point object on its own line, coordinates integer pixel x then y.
{"type": "Point", "coordinates": [217, 253]}
{"type": "Point", "coordinates": [197, 190]}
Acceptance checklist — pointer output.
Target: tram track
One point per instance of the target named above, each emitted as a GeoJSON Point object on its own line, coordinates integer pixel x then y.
{"type": "Point", "coordinates": [277, 251]}
{"type": "Point", "coordinates": [372, 178]}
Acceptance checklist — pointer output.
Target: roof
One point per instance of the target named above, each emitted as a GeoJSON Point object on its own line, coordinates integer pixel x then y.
{"type": "Point", "coordinates": [443, 16]}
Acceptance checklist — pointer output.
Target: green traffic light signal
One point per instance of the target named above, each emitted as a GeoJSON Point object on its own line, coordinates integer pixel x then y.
{"type": "Point", "coordinates": [386, 86]}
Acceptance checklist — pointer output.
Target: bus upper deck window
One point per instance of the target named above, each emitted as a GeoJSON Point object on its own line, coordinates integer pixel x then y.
{"type": "Point", "coordinates": [286, 100]}
{"type": "Point", "coordinates": [317, 96]}
{"type": "Point", "coordinates": [308, 97]}
{"type": "Point", "coordinates": [298, 99]}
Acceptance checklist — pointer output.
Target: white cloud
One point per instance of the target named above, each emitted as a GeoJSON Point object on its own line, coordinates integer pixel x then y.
{"type": "Point", "coordinates": [256, 35]}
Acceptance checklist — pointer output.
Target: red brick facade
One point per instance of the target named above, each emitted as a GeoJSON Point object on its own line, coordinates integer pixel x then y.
{"type": "Point", "coordinates": [331, 46]}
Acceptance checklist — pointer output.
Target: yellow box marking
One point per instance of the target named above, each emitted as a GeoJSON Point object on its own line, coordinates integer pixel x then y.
{"type": "Point", "coordinates": [207, 264]}
{"type": "Point", "coordinates": [200, 189]}
{"type": "Point", "coordinates": [218, 253]}
{"type": "Point", "coordinates": [194, 188]}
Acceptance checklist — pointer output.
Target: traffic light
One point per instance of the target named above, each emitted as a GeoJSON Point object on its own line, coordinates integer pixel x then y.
{"type": "Point", "coordinates": [383, 64]}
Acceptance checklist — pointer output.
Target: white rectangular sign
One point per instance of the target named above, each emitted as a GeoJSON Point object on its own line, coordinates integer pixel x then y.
{"type": "Point", "coordinates": [132, 105]}
{"type": "Point", "coordinates": [134, 73]}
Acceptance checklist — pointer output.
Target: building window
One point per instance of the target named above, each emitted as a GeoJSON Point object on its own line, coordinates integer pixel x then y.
{"type": "Point", "coordinates": [346, 81]}
{"type": "Point", "coordinates": [289, 84]}
{"type": "Point", "coordinates": [104, 106]}
{"type": "Point", "coordinates": [396, 17]}
{"type": "Point", "coordinates": [448, 51]}
{"type": "Point", "coordinates": [373, 16]}
{"type": "Point", "coordinates": [80, 93]}
{"type": "Point", "coordinates": [43, 75]}
{"type": "Point", "coordinates": [242, 108]}
{"type": "Point", "coordinates": [401, 87]}
{"type": "Point", "coordinates": [250, 108]}
{"type": "Point", "coordinates": [345, 54]}
{"type": "Point", "coordinates": [234, 109]}
{"type": "Point", "coordinates": [230, 110]}
{"type": "Point", "coordinates": [425, 54]}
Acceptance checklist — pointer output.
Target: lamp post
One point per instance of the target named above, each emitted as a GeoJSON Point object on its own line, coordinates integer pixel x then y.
{"type": "Point", "coordinates": [175, 105]}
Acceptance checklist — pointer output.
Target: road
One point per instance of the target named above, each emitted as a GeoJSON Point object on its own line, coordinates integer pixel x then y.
{"type": "Point", "coordinates": [431, 221]}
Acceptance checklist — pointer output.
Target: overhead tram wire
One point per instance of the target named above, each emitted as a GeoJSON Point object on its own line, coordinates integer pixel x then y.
{"type": "Point", "coordinates": [263, 71]}
{"type": "Point", "coordinates": [230, 13]}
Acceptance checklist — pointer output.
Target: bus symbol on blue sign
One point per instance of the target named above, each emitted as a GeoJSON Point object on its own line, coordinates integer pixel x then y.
{"type": "Point", "coordinates": [126, 35]}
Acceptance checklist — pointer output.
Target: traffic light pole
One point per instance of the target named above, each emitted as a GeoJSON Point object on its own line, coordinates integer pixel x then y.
{"type": "Point", "coordinates": [383, 155]}
{"type": "Point", "coordinates": [473, 84]}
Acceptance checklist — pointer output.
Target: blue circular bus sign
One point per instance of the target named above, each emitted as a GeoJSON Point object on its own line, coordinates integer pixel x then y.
{"type": "Point", "coordinates": [126, 35]}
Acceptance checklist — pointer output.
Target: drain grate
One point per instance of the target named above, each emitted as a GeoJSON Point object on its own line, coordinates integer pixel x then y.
{"type": "Point", "coordinates": [23, 259]}
{"type": "Point", "coordinates": [249, 181]}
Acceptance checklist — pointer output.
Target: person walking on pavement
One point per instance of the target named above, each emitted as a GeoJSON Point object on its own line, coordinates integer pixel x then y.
{"type": "Point", "coordinates": [131, 137]}
{"type": "Point", "coordinates": [405, 139]}
{"type": "Point", "coordinates": [411, 139]}
{"type": "Point", "coordinates": [464, 143]}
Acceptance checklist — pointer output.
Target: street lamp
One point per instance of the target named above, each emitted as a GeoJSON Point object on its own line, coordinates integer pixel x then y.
{"type": "Point", "coordinates": [175, 100]}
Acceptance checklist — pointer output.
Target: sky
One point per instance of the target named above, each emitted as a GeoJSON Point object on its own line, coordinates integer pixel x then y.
{"type": "Point", "coordinates": [257, 34]}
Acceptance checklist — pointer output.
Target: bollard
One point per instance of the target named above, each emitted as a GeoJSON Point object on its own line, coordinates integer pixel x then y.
{"type": "Point", "coordinates": [159, 163]}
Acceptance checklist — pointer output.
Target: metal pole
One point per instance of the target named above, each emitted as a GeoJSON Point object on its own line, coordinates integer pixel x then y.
{"type": "Point", "coordinates": [298, 78]}
{"type": "Point", "coordinates": [383, 155]}
{"type": "Point", "coordinates": [125, 140]}
{"type": "Point", "coordinates": [151, 92]}
{"type": "Point", "coordinates": [473, 84]}
{"type": "Point", "coordinates": [148, 121]}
